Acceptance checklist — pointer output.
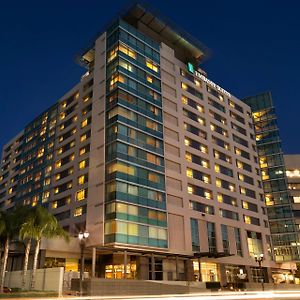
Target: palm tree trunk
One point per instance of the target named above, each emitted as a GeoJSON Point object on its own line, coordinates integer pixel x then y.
{"type": "Point", "coordinates": [4, 263]}
{"type": "Point", "coordinates": [26, 259]}
{"type": "Point", "coordinates": [35, 261]}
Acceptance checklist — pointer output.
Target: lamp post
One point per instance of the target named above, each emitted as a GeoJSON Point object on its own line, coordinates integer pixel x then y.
{"type": "Point", "coordinates": [82, 236]}
{"type": "Point", "coordinates": [259, 260]}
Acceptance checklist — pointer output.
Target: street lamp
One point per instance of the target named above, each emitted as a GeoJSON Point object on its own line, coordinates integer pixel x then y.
{"type": "Point", "coordinates": [82, 236]}
{"type": "Point", "coordinates": [259, 260]}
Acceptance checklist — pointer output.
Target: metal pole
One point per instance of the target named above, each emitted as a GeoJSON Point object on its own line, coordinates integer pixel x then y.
{"type": "Point", "coordinates": [261, 272]}
{"type": "Point", "coordinates": [199, 271]}
{"type": "Point", "coordinates": [81, 267]}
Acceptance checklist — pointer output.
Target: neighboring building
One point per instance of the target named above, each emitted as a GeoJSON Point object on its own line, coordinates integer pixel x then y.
{"type": "Point", "coordinates": [156, 161]}
{"type": "Point", "coordinates": [292, 165]}
{"type": "Point", "coordinates": [284, 231]}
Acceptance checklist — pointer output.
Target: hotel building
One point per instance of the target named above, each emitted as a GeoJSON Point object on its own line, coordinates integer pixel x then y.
{"type": "Point", "coordinates": [157, 162]}
{"type": "Point", "coordinates": [292, 165]}
{"type": "Point", "coordinates": [284, 231]}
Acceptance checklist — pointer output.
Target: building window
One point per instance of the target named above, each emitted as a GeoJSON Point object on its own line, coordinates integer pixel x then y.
{"type": "Point", "coordinates": [195, 235]}
{"type": "Point", "coordinates": [81, 195]}
{"type": "Point", "coordinates": [78, 211]}
{"type": "Point", "coordinates": [225, 239]}
{"type": "Point", "coordinates": [211, 235]}
{"type": "Point", "coordinates": [151, 65]}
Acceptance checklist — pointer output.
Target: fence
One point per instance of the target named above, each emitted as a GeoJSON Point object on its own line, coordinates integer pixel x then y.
{"type": "Point", "coordinates": [46, 280]}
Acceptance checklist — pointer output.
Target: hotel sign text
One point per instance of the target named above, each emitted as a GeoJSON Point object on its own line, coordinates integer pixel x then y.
{"type": "Point", "coordinates": [209, 82]}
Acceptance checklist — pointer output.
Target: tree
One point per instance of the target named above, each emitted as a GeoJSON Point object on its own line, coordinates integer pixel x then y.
{"type": "Point", "coordinates": [41, 224]}
{"type": "Point", "coordinates": [27, 233]}
{"type": "Point", "coordinates": [8, 229]}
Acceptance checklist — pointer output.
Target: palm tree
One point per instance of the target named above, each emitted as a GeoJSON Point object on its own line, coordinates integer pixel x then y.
{"type": "Point", "coordinates": [8, 228]}
{"type": "Point", "coordinates": [26, 233]}
{"type": "Point", "coordinates": [41, 224]}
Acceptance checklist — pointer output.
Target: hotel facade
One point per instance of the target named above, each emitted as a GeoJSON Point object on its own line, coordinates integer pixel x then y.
{"type": "Point", "coordinates": [157, 162]}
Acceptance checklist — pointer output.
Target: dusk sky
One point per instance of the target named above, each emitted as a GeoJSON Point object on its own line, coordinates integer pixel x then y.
{"type": "Point", "coordinates": [254, 45]}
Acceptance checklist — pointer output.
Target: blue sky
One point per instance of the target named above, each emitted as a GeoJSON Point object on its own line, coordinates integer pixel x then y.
{"type": "Point", "coordinates": [255, 47]}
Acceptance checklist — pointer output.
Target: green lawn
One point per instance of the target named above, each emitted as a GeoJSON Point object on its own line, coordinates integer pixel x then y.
{"type": "Point", "coordinates": [29, 294]}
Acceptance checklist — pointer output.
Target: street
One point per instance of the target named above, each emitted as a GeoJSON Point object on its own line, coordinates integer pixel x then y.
{"type": "Point", "coordinates": [280, 295]}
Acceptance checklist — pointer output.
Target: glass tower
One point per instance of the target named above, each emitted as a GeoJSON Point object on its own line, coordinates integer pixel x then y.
{"type": "Point", "coordinates": [135, 201]}
{"type": "Point", "coordinates": [279, 204]}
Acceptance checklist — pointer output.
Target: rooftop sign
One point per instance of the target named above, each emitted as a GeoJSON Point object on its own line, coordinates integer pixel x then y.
{"type": "Point", "coordinates": [191, 69]}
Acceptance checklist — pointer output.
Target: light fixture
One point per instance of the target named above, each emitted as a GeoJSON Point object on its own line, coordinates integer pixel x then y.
{"type": "Point", "coordinates": [83, 235]}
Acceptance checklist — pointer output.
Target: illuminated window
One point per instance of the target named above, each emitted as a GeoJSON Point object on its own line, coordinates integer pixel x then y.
{"type": "Point", "coordinates": [112, 54]}
{"type": "Point", "coordinates": [57, 164]}
{"type": "Point", "coordinates": [47, 181]}
{"type": "Point", "coordinates": [127, 51]}
{"type": "Point", "coordinates": [200, 108]}
{"type": "Point", "coordinates": [40, 152]}
{"type": "Point", "coordinates": [82, 151]}
{"type": "Point", "coordinates": [186, 142]}
{"type": "Point", "coordinates": [269, 200]}
{"type": "Point", "coordinates": [43, 131]}
{"type": "Point", "coordinates": [184, 100]}
{"type": "Point", "coordinates": [197, 82]}
{"type": "Point", "coordinates": [203, 149]}
{"type": "Point", "coordinates": [59, 151]}
{"type": "Point", "coordinates": [296, 199]}
{"type": "Point", "coordinates": [149, 79]}
{"type": "Point", "coordinates": [45, 196]}
{"type": "Point", "coordinates": [84, 123]}
{"type": "Point", "coordinates": [184, 86]}
{"type": "Point", "coordinates": [81, 179]}
{"type": "Point", "coordinates": [190, 189]}
{"type": "Point", "coordinates": [232, 188]}
{"type": "Point", "coordinates": [220, 198]}
{"type": "Point", "coordinates": [217, 168]}
{"type": "Point", "coordinates": [247, 219]}
{"type": "Point", "coordinates": [54, 205]}
{"type": "Point", "coordinates": [245, 205]}
{"type": "Point", "coordinates": [188, 156]}
{"type": "Point", "coordinates": [57, 176]}
{"type": "Point", "coordinates": [239, 164]}
{"type": "Point", "coordinates": [264, 175]}
{"type": "Point", "coordinates": [78, 211]}
{"type": "Point", "coordinates": [82, 164]}
{"type": "Point", "coordinates": [62, 115]}
{"type": "Point", "coordinates": [189, 173]}
{"type": "Point", "coordinates": [80, 195]}
{"type": "Point", "coordinates": [151, 65]}
{"type": "Point", "coordinates": [208, 195]}
{"type": "Point", "coordinates": [218, 183]}
{"type": "Point", "coordinates": [83, 137]}
{"type": "Point", "coordinates": [48, 170]}
{"type": "Point", "coordinates": [201, 121]}
{"type": "Point", "coordinates": [153, 177]}
{"type": "Point", "coordinates": [206, 178]}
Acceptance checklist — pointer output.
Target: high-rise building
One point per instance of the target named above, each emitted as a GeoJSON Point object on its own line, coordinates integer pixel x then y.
{"type": "Point", "coordinates": [284, 231]}
{"type": "Point", "coordinates": [292, 165]}
{"type": "Point", "coordinates": [157, 162]}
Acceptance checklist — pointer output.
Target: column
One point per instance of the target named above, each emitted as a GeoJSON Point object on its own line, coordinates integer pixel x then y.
{"type": "Point", "coordinates": [94, 256]}
{"type": "Point", "coordinates": [177, 267]}
{"type": "Point", "coordinates": [152, 266]}
{"type": "Point", "coordinates": [125, 264]}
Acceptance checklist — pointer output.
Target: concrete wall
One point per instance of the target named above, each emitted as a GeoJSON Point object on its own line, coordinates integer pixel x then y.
{"type": "Point", "coordinates": [108, 287]}
{"type": "Point", "coordinates": [46, 279]}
